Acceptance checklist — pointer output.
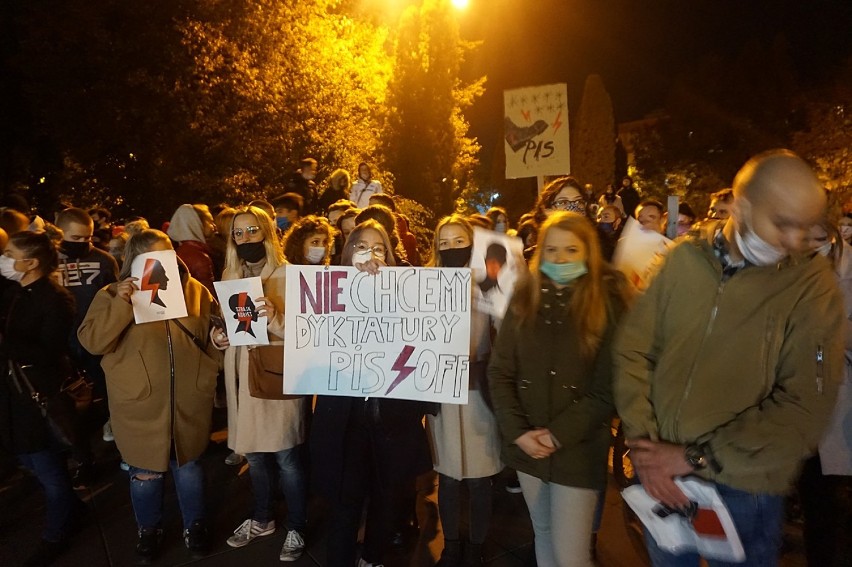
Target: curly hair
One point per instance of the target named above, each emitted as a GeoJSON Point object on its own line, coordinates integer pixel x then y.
{"type": "Point", "coordinates": [304, 228]}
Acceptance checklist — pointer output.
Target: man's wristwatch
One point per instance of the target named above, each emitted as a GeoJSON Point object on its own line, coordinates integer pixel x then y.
{"type": "Point", "coordinates": [696, 457]}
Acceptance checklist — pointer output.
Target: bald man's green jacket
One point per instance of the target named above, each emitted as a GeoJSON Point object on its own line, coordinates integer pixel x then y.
{"type": "Point", "coordinates": [749, 364]}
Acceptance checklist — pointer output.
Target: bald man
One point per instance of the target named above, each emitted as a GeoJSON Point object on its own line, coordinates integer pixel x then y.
{"type": "Point", "coordinates": [727, 368]}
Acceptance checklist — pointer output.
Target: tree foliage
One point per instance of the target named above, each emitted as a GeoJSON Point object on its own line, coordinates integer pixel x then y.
{"type": "Point", "coordinates": [425, 141]}
{"type": "Point", "coordinates": [593, 148]}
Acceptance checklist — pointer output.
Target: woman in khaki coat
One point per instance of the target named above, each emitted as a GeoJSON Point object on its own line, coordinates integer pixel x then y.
{"type": "Point", "coordinates": [268, 432]}
{"type": "Point", "coordinates": [465, 438]}
{"type": "Point", "coordinates": [161, 383]}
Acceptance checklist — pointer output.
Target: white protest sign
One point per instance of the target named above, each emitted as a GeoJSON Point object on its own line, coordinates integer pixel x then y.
{"type": "Point", "coordinates": [535, 123]}
{"type": "Point", "coordinates": [639, 253]}
{"type": "Point", "coordinates": [403, 333]}
{"type": "Point", "coordinates": [160, 293]}
{"type": "Point", "coordinates": [237, 298]}
{"type": "Point", "coordinates": [497, 262]}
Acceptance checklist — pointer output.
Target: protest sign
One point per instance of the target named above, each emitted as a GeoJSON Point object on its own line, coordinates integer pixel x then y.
{"type": "Point", "coordinates": [535, 122]}
{"type": "Point", "coordinates": [160, 293]}
{"type": "Point", "coordinates": [403, 333]}
{"type": "Point", "coordinates": [237, 298]}
{"type": "Point", "coordinates": [639, 253]}
{"type": "Point", "coordinates": [497, 262]}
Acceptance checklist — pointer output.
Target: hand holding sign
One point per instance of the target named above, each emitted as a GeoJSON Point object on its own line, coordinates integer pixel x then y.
{"type": "Point", "coordinates": [245, 312]}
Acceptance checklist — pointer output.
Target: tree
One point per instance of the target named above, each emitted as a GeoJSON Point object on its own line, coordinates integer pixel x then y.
{"type": "Point", "coordinates": [424, 141]}
{"type": "Point", "coordinates": [593, 152]}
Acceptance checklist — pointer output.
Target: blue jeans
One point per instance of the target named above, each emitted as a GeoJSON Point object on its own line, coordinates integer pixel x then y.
{"type": "Point", "coordinates": [291, 478]}
{"type": "Point", "coordinates": [758, 518]}
{"type": "Point", "coordinates": [147, 494]}
{"type": "Point", "coordinates": [49, 468]}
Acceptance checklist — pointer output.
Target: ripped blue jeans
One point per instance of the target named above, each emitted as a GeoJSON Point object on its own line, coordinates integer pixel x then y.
{"type": "Point", "coordinates": [147, 494]}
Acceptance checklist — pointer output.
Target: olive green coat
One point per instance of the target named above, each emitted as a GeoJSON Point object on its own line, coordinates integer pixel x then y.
{"type": "Point", "coordinates": [538, 379]}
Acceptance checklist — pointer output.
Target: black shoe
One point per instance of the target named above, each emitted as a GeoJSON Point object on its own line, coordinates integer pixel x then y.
{"type": "Point", "coordinates": [472, 555]}
{"type": "Point", "coordinates": [451, 554]}
{"type": "Point", "coordinates": [46, 554]}
{"type": "Point", "coordinates": [148, 545]}
{"type": "Point", "coordinates": [196, 539]}
{"type": "Point", "coordinates": [82, 477]}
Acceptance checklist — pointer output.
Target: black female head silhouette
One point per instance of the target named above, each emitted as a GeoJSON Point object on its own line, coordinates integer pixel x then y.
{"type": "Point", "coordinates": [154, 279]}
{"type": "Point", "coordinates": [244, 311]}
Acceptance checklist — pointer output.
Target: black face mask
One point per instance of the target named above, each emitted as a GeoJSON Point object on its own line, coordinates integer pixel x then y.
{"type": "Point", "coordinates": [74, 249]}
{"type": "Point", "coordinates": [455, 257]}
{"type": "Point", "coordinates": [251, 251]}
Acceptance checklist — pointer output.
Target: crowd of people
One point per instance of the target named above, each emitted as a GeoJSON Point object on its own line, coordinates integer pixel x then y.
{"type": "Point", "coordinates": [726, 368]}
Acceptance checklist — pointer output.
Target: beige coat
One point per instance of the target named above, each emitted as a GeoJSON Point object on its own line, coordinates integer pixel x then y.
{"type": "Point", "coordinates": [256, 425]}
{"type": "Point", "coordinates": [139, 364]}
{"type": "Point", "coordinates": [465, 438]}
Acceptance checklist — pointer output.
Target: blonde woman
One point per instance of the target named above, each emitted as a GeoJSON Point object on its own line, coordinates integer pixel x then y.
{"type": "Point", "coordinates": [268, 432]}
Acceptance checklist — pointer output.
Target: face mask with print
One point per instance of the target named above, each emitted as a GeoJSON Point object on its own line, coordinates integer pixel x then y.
{"type": "Point", "coordinates": [315, 254]}
{"type": "Point", "coordinates": [753, 248]}
{"type": "Point", "coordinates": [8, 271]}
{"type": "Point", "coordinates": [564, 273]}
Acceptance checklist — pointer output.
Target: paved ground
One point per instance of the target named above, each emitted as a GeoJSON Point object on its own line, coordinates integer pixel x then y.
{"type": "Point", "coordinates": [109, 537]}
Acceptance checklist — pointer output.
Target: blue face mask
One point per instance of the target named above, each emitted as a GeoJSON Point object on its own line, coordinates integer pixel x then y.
{"type": "Point", "coordinates": [607, 227]}
{"type": "Point", "coordinates": [282, 222]}
{"type": "Point", "coordinates": [563, 274]}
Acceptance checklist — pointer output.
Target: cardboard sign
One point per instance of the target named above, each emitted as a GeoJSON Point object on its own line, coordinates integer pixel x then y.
{"type": "Point", "coordinates": [404, 333]}
{"type": "Point", "coordinates": [535, 124]}
{"type": "Point", "coordinates": [239, 310]}
{"type": "Point", "coordinates": [160, 293]}
{"type": "Point", "coordinates": [497, 262]}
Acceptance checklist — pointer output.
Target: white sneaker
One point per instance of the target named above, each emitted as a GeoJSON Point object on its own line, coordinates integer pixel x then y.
{"type": "Point", "coordinates": [249, 530]}
{"type": "Point", "coordinates": [293, 546]}
{"type": "Point", "coordinates": [234, 459]}
{"type": "Point", "coordinates": [108, 436]}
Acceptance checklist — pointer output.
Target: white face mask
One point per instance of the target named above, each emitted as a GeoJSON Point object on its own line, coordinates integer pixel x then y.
{"type": "Point", "coordinates": [824, 250]}
{"type": "Point", "coordinates": [846, 232]}
{"type": "Point", "coordinates": [309, 176]}
{"type": "Point", "coordinates": [8, 271]}
{"type": "Point", "coordinates": [753, 248]}
{"type": "Point", "coordinates": [362, 257]}
{"type": "Point", "coordinates": [315, 254]}
{"type": "Point", "coordinates": [500, 227]}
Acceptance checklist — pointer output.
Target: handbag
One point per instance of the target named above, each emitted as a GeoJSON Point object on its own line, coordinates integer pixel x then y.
{"type": "Point", "coordinates": [58, 411]}
{"type": "Point", "coordinates": [266, 373]}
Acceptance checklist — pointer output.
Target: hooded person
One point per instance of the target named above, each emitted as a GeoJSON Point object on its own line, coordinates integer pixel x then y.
{"type": "Point", "coordinates": [190, 227]}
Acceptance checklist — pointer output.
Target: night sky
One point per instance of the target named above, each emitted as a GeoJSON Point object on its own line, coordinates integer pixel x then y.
{"type": "Point", "coordinates": [638, 46]}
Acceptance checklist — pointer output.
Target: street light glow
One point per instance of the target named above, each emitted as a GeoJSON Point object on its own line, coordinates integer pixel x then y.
{"type": "Point", "coordinates": [460, 4]}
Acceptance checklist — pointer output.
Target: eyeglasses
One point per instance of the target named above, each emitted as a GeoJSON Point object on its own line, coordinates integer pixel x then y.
{"type": "Point", "coordinates": [250, 230]}
{"type": "Point", "coordinates": [378, 250]}
{"type": "Point", "coordinates": [577, 205]}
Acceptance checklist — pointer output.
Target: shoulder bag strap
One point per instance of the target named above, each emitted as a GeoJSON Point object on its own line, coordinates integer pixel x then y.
{"type": "Point", "coordinates": [195, 340]}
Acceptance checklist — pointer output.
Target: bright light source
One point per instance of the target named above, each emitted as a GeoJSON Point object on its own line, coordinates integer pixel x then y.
{"type": "Point", "coordinates": [460, 4]}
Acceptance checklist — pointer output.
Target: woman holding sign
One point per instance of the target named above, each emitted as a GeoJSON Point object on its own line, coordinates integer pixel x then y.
{"type": "Point", "coordinates": [465, 438]}
{"type": "Point", "coordinates": [267, 431]}
{"type": "Point", "coordinates": [551, 384]}
{"type": "Point", "coordinates": [161, 377]}
{"type": "Point", "coordinates": [365, 447]}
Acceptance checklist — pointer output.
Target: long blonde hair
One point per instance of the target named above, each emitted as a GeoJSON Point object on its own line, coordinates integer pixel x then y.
{"type": "Point", "coordinates": [592, 293]}
{"type": "Point", "coordinates": [274, 253]}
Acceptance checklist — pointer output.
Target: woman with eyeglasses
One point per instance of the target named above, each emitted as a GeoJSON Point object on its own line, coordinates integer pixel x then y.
{"type": "Point", "coordinates": [365, 448]}
{"type": "Point", "coordinates": [551, 384]}
{"type": "Point", "coordinates": [268, 432]}
{"type": "Point", "coordinates": [161, 377]}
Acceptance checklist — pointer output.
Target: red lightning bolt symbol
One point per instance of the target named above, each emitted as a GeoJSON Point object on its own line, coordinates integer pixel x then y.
{"type": "Point", "coordinates": [399, 366]}
{"type": "Point", "coordinates": [526, 115]}
{"type": "Point", "coordinates": [147, 272]}
{"type": "Point", "coordinates": [557, 123]}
